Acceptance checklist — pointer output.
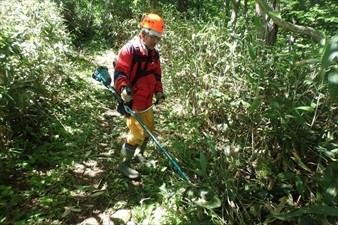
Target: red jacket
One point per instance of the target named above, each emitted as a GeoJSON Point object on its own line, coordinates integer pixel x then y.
{"type": "Point", "coordinates": [145, 86]}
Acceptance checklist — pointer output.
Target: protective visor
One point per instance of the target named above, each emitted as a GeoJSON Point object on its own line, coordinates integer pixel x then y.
{"type": "Point", "coordinates": [153, 33]}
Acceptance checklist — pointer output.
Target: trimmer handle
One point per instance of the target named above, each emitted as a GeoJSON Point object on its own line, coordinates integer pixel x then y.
{"type": "Point", "coordinates": [156, 102]}
{"type": "Point", "coordinates": [129, 89]}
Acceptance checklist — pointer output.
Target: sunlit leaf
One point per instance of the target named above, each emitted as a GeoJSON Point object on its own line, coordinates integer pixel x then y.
{"type": "Point", "coordinates": [245, 104]}
{"type": "Point", "coordinates": [73, 208]}
{"type": "Point", "coordinates": [330, 153]}
{"type": "Point", "coordinates": [331, 192]}
{"type": "Point", "coordinates": [65, 213]}
{"type": "Point", "coordinates": [275, 13]}
{"type": "Point", "coordinates": [282, 202]}
{"type": "Point", "coordinates": [95, 194]}
{"type": "Point", "coordinates": [308, 61]}
{"type": "Point", "coordinates": [305, 108]}
{"type": "Point", "coordinates": [332, 79]}
{"type": "Point", "coordinates": [330, 54]}
{"type": "Point", "coordinates": [319, 196]}
{"type": "Point", "coordinates": [301, 164]}
{"type": "Point", "coordinates": [327, 178]}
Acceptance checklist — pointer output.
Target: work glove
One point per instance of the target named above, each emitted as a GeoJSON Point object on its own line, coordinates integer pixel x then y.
{"type": "Point", "coordinates": [159, 97]}
{"type": "Point", "coordinates": [126, 94]}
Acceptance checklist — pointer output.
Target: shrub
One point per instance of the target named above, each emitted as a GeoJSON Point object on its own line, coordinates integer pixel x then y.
{"type": "Point", "coordinates": [34, 48]}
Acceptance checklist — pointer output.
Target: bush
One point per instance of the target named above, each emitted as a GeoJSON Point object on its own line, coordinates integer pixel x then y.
{"type": "Point", "coordinates": [34, 48]}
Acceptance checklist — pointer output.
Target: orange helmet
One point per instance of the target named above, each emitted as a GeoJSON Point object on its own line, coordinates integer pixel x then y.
{"type": "Point", "coordinates": [153, 22]}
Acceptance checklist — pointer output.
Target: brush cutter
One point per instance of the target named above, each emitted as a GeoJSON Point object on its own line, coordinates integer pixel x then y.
{"type": "Point", "coordinates": [203, 198]}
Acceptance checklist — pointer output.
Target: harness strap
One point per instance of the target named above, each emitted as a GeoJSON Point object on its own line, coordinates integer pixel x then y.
{"type": "Point", "coordinates": [141, 72]}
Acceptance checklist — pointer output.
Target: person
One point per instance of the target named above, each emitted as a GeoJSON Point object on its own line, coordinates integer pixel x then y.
{"type": "Point", "coordinates": [138, 65]}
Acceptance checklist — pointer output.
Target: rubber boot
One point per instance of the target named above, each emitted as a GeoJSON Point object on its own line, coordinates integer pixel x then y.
{"type": "Point", "coordinates": [140, 150]}
{"type": "Point", "coordinates": [124, 167]}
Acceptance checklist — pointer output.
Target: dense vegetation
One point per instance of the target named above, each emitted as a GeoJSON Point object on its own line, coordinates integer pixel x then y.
{"type": "Point", "coordinates": [252, 119]}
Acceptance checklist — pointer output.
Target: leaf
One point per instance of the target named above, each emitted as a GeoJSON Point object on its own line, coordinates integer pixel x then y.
{"type": "Point", "coordinates": [327, 178]}
{"type": "Point", "coordinates": [285, 176]}
{"type": "Point", "coordinates": [332, 79]}
{"type": "Point", "coordinates": [291, 214]}
{"type": "Point", "coordinates": [331, 192]}
{"type": "Point", "coordinates": [275, 14]}
{"type": "Point", "coordinates": [203, 162]}
{"type": "Point", "coordinates": [274, 104]}
{"type": "Point", "coordinates": [330, 153]}
{"type": "Point", "coordinates": [65, 213]}
{"type": "Point", "coordinates": [301, 164]}
{"type": "Point", "coordinates": [334, 151]}
{"type": "Point", "coordinates": [96, 194]}
{"type": "Point", "coordinates": [282, 203]}
{"type": "Point", "coordinates": [323, 210]}
{"type": "Point", "coordinates": [258, 100]}
{"type": "Point", "coordinates": [250, 79]}
{"type": "Point", "coordinates": [299, 185]}
{"type": "Point", "coordinates": [306, 220]}
{"type": "Point", "coordinates": [251, 51]}
{"type": "Point", "coordinates": [257, 22]}
{"type": "Point", "coordinates": [245, 104]}
{"type": "Point", "coordinates": [330, 52]}
{"type": "Point", "coordinates": [200, 172]}
{"type": "Point", "coordinates": [298, 118]}
{"type": "Point", "coordinates": [73, 208]}
{"type": "Point", "coordinates": [308, 61]}
{"type": "Point", "coordinates": [304, 108]}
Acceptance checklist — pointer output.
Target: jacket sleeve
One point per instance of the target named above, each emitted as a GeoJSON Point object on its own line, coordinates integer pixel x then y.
{"type": "Point", "coordinates": [158, 76]}
{"type": "Point", "coordinates": [123, 67]}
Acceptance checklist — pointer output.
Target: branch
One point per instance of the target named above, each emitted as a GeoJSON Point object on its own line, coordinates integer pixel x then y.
{"type": "Point", "coordinates": [309, 31]}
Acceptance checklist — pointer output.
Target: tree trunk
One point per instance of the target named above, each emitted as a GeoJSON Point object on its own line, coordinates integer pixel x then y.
{"type": "Point", "coordinates": [246, 12]}
{"type": "Point", "coordinates": [234, 12]}
{"type": "Point", "coordinates": [227, 10]}
{"type": "Point", "coordinates": [182, 5]}
{"type": "Point", "coordinates": [308, 31]}
{"type": "Point", "coordinates": [268, 31]}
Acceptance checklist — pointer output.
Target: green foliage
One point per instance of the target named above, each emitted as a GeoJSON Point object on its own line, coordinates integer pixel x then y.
{"type": "Point", "coordinates": [319, 14]}
{"type": "Point", "coordinates": [108, 23]}
{"type": "Point", "coordinates": [330, 61]}
{"type": "Point", "coordinates": [34, 48]}
{"type": "Point", "coordinates": [258, 105]}
{"type": "Point", "coordinates": [328, 66]}
{"type": "Point", "coordinates": [255, 126]}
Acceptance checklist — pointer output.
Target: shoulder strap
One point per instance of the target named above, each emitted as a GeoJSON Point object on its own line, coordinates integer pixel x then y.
{"type": "Point", "coordinates": [137, 58]}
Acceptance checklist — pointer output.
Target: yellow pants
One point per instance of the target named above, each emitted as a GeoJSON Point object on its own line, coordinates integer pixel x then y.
{"type": "Point", "coordinates": [136, 132]}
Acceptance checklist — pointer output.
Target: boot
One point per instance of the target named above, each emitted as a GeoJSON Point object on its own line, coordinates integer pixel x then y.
{"type": "Point", "coordinates": [139, 156]}
{"type": "Point", "coordinates": [124, 167]}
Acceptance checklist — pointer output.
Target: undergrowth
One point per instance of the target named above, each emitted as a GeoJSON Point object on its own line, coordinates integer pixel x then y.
{"type": "Point", "coordinates": [256, 125]}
